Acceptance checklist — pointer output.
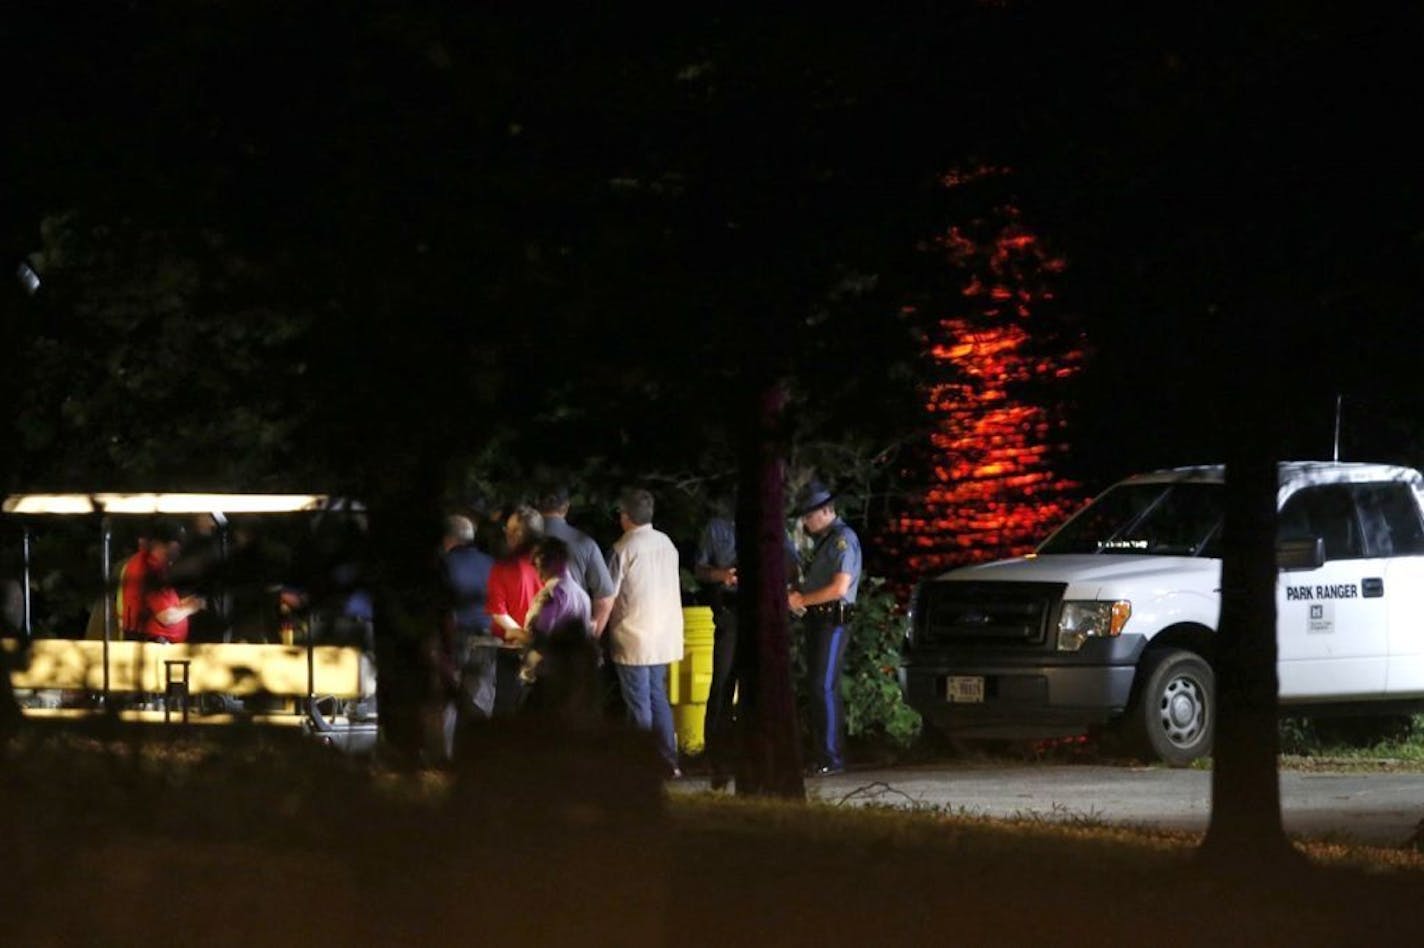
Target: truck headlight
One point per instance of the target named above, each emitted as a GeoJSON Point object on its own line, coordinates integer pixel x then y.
{"type": "Point", "coordinates": [1082, 619]}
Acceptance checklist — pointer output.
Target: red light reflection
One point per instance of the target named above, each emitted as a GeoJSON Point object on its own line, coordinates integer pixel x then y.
{"type": "Point", "coordinates": [991, 489]}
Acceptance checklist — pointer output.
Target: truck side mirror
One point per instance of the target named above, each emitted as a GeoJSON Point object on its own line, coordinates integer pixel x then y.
{"type": "Point", "coordinates": [1302, 553]}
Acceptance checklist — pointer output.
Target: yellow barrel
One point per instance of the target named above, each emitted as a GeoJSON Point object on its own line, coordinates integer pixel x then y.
{"type": "Point", "coordinates": [690, 679]}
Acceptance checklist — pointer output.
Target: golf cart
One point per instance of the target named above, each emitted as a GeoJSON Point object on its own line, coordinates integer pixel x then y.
{"type": "Point", "coordinates": [285, 636]}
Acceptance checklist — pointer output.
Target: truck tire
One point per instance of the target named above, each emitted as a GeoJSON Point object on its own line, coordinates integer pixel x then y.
{"type": "Point", "coordinates": [1175, 713]}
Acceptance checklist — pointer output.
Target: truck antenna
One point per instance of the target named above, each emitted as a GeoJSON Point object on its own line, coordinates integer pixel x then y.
{"type": "Point", "coordinates": [1338, 398]}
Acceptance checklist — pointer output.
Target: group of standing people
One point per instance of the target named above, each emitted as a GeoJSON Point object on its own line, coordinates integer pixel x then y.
{"type": "Point", "coordinates": [823, 594]}
{"type": "Point", "coordinates": [553, 591]}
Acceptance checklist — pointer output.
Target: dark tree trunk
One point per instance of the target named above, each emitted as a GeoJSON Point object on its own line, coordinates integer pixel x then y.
{"type": "Point", "coordinates": [770, 760]}
{"type": "Point", "coordinates": [404, 537]}
{"type": "Point", "coordinates": [11, 717]}
{"type": "Point", "coordinates": [1245, 831]}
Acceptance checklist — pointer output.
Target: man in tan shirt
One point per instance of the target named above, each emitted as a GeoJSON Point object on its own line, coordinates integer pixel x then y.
{"type": "Point", "coordinates": [645, 626]}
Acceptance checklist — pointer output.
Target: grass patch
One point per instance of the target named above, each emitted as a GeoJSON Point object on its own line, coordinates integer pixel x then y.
{"type": "Point", "coordinates": [274, 844]}
{"type": "Point", "coordinates": [1025, 837]}
{"type": "Point", "coordinates": [1395, 741]}
{"type": "Point", "coordinates": [823, 874]}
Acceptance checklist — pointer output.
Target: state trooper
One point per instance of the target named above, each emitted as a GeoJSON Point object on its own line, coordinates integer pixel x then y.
{"type": "Point", "coordinates": [826, 598]}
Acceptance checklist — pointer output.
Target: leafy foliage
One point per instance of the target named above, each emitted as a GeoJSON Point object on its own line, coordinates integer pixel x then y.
{"type": "Point", "coordinates": [160, 363]}
{"type": "Point", "coordinates": [874, 705]}
{"type": "Point", "coordinates": [1397, 737]}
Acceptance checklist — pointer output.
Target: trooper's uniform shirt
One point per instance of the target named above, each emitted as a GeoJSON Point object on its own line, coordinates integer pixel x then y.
{"type": "Point", "coordinates": [837, 550]}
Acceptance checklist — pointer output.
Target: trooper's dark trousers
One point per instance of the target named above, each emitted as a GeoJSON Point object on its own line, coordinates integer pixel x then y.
{"type": "Point", "coordinates": [717, 724]}
{"type": "Point", "coordinates": [826, 638]}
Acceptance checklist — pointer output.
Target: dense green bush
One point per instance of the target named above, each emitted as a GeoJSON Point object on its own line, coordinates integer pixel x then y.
{"type": "Point", "coordinates": [1396, 735]}
{"type": "Point", "coordinates": [875, 707]}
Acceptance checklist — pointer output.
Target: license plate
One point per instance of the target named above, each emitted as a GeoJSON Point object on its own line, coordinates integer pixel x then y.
{"type": "Point", "coordinates": [965, 689]}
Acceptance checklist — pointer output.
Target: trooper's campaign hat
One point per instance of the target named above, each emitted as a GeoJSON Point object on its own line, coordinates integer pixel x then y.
{"type": "Point", "coordinates": [812, 496]}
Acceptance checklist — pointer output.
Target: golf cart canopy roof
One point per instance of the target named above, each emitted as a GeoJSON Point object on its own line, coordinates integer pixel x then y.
{"type": "Point", "coordinates": [148, 504]}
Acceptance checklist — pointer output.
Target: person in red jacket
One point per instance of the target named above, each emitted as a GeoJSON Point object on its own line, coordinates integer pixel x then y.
{"type": "Point", "coordinates": [513, 581]}
{"type": "Point", "coordinates": [132, 580]}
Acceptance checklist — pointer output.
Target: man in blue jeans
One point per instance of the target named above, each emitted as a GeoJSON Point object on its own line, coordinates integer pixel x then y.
{"type": "Point", "coordinates": [645, 625]}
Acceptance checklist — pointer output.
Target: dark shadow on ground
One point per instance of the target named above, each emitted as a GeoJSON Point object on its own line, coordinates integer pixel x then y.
{"type": "Point", "coordinates": [552, 837]}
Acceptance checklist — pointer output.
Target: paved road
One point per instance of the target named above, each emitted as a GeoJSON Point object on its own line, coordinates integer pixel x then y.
{"type": "Point", "coordinates": [1372, 808]}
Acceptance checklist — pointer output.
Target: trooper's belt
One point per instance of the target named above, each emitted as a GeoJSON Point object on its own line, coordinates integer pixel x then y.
{"type": "Point", "coordinates": [838, 611]}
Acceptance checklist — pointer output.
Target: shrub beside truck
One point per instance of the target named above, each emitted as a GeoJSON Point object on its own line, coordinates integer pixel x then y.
{"type": "Point", "coordinates": [1110, 622]}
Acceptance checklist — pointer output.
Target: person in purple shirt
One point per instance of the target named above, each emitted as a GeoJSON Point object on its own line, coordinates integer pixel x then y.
{"type": "Point", "coordinates": [558, 602]}
{"type": "Point", "coordinates": [561, 611]}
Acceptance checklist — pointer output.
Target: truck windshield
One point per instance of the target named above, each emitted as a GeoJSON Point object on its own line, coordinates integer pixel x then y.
{"type": "Point", "coordinates": [1146, 519]}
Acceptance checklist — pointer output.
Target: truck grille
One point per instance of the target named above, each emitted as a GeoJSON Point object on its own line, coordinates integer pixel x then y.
{"type": "Point", "coordinates": [960, 613]}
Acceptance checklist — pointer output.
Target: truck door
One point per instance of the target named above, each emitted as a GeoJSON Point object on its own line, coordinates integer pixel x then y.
{"type": "Point", "coordinates": [1394, 531]}
{"type": "Point", "coordinates": [1332, 623]}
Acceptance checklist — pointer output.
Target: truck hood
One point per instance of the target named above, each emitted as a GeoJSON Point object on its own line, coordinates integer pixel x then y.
{"type": "Point", "coordinates": [1088, 568]}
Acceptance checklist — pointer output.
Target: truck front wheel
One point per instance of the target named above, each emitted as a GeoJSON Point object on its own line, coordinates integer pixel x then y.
{"type": "Point", "coordinates": [1175, 714]}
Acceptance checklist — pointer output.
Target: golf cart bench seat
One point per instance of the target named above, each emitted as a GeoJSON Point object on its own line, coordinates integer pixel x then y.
{"type": "Point", "coordinates": [224, 668]}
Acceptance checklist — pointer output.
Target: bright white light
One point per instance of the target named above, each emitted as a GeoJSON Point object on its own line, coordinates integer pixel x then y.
{"type": "Point", "coordinates": [29, 279]}
{"type": "Point", "coordinates": [206, 503]}
{"type": "Point", "coordinates": [71, 504]}
{"type": "Point", "coordinates": [48, 504]}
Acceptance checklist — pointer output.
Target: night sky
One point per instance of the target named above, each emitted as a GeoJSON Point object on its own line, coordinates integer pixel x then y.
{"type": "Point", "coordinates": [1235, 191]}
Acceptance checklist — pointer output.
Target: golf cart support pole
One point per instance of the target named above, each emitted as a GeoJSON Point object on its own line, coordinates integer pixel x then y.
{"type": "Point", "coordinates": [106, 564]}
{"type": "Point", "coordinates": [311, 660]}
{"type": "Point", "coordinates": [25, 589]}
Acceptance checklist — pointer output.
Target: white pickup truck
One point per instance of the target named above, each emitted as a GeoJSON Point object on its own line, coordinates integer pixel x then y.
{"type": "Point", "coordinates": [1111, 620]}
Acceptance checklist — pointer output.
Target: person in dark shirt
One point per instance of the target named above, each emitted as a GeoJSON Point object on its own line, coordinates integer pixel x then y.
{"type": "Point", "coordinates": [200, 570]}
{"type": "Point", "coordinates": [586, 563]}
{"type": "Point", "coordinates": [469, 647]}
{"type": "Point", "coordinates": [716, 569]}
{"type": "Point", "coordinates": [12, 607]}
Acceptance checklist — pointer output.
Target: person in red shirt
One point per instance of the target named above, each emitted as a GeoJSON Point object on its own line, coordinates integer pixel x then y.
{"type": "Point", "coordinates": [162, 615]}
{"type": "Point", "coordinates": [166, 614]}
{"type": "Point", "coordinates": [131, 588]}
{"type": "Point", "coordinates": [513, 581]}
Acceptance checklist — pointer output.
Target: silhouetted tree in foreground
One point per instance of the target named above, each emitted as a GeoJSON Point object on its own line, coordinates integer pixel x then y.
{"type": "Point", "coordinates": [770, 741]}
{"type": "Point", "coordinates": [1245, 833]}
